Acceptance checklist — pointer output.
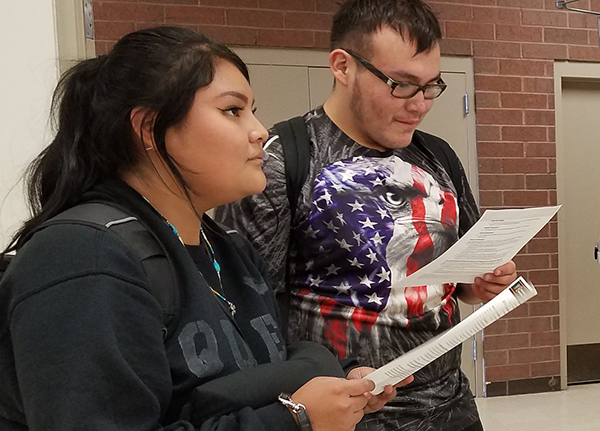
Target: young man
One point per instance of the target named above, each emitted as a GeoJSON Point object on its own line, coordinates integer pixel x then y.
{"type": "Point", "coordinates": [377, 205]}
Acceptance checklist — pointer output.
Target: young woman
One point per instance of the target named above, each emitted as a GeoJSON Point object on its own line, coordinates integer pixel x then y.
{"type": "Point", "coordinates": [163, 128]}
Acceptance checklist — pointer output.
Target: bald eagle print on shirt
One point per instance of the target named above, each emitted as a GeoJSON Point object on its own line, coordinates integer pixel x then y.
{"type": "Point", "coordinates": [373, 221]}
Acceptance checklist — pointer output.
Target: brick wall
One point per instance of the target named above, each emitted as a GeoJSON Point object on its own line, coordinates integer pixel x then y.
{"type": "Point", "coordinates": [514, 44]}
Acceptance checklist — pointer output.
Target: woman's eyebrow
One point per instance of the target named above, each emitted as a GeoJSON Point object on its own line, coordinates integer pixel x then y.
{"type": "Point", "coordinates": [235, 94]}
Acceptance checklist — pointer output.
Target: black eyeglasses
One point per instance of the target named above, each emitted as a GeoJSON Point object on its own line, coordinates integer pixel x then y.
{"type": "Point", "coordinates": [401, 90]}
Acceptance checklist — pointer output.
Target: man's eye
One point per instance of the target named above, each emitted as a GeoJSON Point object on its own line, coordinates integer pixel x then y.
{"type": "Point", "coordinates": [404, 84]}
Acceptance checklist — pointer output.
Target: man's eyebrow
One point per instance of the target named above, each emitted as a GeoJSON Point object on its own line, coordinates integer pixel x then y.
{"type": "Point", "coordinates": [411, 77]}
{"type": "Point", "coordinates": [235, 94]}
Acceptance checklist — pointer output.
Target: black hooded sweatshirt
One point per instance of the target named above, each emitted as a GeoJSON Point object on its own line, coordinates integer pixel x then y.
{"type": "Point", "coordinates": [82, 345]}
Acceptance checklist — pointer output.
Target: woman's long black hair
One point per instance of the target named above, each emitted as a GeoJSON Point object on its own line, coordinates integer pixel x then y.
{"type": "Point", "coordinates": [159, 69]}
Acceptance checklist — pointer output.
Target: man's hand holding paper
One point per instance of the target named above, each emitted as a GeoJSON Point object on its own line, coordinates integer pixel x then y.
{"type": "Point", "coordinates": [489, 285]}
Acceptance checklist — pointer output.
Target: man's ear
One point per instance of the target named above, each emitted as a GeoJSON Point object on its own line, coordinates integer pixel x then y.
{"type": "Point", "coordinates": [341, 66]}
{"type": "Point", "coordinates": [142, 124]}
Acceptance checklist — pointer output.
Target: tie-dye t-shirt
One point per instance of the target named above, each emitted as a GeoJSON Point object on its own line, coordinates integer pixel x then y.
{"type": "Point", "coordinates": [366, 219]}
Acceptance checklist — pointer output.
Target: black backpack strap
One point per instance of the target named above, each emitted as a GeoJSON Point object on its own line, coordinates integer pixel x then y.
{"type": "Point", "coordinates": [295, 144]}
{"type": "Point", "coordinates": [445, 155]}
{"type": "Point", "coordinates": [4, 261]}
{"type": "Point", "coordinates": [294, 141]}
{"type": "Point", "coordinates": [148, 249]}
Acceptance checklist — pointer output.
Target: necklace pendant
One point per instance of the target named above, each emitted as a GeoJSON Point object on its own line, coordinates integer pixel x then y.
{"type": "Point", "coordinates": [232, 308]}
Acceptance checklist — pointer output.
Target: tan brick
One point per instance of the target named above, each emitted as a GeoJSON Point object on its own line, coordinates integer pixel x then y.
{"type": "Point", "coordinates": [496, 328]}
{"type": "Point", "coordinates": [584, 53]}
{"type": "Point", "coordinates": [469, 30]}
{"type": "Point", "coordinates": [551, 338]}
{"type": "Point", "coordinates": [522, 67]}
{"type": "Point", "coordinates": [519, 33]}
{"type": "Point", "coordinates": [327, 6]}
{"type": "Point", "coordinates": [532, 261]}
{"type": "Point", "coordinates": [523, 4]}
{"type": "Point", "coordinates": [308, 20]}
{"type": "Point", "coordinates": [488, 133]}
{"type": "Point", "coordinates": [545, 369]}
{"type": "Point", "coordinates": [452, 11]}
{"type": "Point", "coordinates": [501, 182]}
{"type": "Point", "coordinates": [530, 324]}
{"type": "Point", "coordinates": [305, 5]}
{"type": "Point", "coordinates": [486, 66]}
{"type": "Point", "coordinates": [547, 51]}
{"type": "Point", "coordinates": [255, 18]}
{"type": "Point", "coordinates": [526, 198]}
{"type": "Point", "coordinates": [525, 165]}
{"type": "Point", "coordinates": [490, 165]}
{"type": "Point", "coordinates": [456, 47]}
{"type": "Point", "coordinates": [523, 100]}
{"type": "Point", "coordinates": [232, 35]}
{"type": "Point", "coordinates": [538, 85]}
{"type": "Point", "coordinates": [285, 38]}
{"type": "Point", "coordinates": [498, 83]}
{"type": "Point", "coordinates": [544, 308]}
{"type": "Point", "coordinates": [497, 49]}
{"type": "Point", "coordinates": [504, 342]}
{"type": "Point", "coordinates": [502, 373]}
{"type": "Point", "coordinates": [519, 312]}
{"type": "Point", "coordinates": [578, 20]}
{"type": "Point", "coordinates": [526, 356]}
{"type": "Point", "coordinates": [487, 99]}
{"type": "Point", "coordinates": [111, 30]}
{"type": "Point", "coordinates": [192, 2]}
{"type": "Point", "coordinates": [544, 18]}
{"type": "Point", "coordinates": [130, 12]}
{"type": "Point", "coordinates": [540, 182]}
{"type": "Point", "coordinates": [566, 35]}
{"type": "Point", "coordinates": [195, 15]}
{"type": "Point", "coordinates": [490, 198]}
{"type": "Point", "coordinates": [500, 149]}
{"type": "Point", "coordinates": [529, 133]}
{"type": "Point", "coordinates": [495, 357]}
{"type": "Point", "coordinates": [539, 117]}
{"type": "Point", "coordinates": [540, 149]}
{"type": "Point", "coordinates": [322, 39]}
{"type": "Point", "coordinates": [542, 245]}
{"type": "Point", "coordinates": [497, 15]}
{"type": "Point", "coordinates": [545, 276]}
{"type": "Point", "coordinates": [499, 116]}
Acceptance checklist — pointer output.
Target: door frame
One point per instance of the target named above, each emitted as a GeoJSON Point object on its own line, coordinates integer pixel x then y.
{"type": "Point", "coordinates": [565, 71]}
{"type": "Point", "coordinates": [73, 45]}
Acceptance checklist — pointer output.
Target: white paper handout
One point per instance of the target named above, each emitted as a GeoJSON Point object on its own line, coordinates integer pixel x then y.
{"type": "Point", "coordinates": [494, 240]}
{"type": "Point", "coordinates": [409, 363]}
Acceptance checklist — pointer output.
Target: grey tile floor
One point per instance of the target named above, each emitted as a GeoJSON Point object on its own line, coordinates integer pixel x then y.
{"type": "Point", "coordinates": [577, 408]}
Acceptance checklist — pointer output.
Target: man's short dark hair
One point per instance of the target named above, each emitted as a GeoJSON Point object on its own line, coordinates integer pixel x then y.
{"type": "Point", "coordinates": [356, 20]}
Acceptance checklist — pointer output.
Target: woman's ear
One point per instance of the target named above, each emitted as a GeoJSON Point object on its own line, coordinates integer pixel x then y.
{"type": "Point", "coordinates": [142, 124]}
{"type": "Point", "coordinates": [341, 66]}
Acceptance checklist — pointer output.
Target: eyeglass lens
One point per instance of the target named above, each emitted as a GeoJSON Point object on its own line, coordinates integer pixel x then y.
{"type": "Point", "coordinates": [406, 91]}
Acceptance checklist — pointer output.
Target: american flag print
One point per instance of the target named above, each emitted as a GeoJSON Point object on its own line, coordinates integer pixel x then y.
{"type": "Point", "coordinates": [373, 221]}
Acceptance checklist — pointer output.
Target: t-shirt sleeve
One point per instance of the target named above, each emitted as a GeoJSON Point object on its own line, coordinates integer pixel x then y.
{"type": "Point", "coordinates": [468, 209]}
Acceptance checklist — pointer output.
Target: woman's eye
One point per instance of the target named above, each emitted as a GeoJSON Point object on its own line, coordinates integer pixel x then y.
{"type": "Point", "coordinates": [234, 111]}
